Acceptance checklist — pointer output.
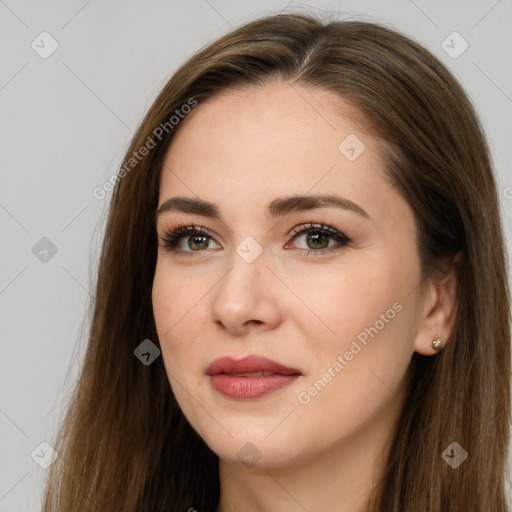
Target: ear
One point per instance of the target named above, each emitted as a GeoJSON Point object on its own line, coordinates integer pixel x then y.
{"type": "Point", "coordinates": [439, 309]}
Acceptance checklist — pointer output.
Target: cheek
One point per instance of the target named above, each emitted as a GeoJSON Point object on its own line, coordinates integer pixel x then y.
{"type": "Point", "coordinates": [351, 298]}
{"type": "Point", "coordinates": [369, 313]}
{"type": "Point", "coordinates": [182, 315]}
{"type": "Point", "coordinates": [174, 302]}
{"type": "Point", "coordinates": [175, 296]}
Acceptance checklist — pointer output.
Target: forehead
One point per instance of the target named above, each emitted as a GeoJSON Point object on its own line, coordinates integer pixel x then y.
{"type": "Point", "coordinates": [286, 121]}
{"type": "Point", "coordinates": [244, 146]}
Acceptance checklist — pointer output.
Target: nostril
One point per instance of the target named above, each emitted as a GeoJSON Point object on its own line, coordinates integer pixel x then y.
{"type": "Point", "coordinates": [257, 322]}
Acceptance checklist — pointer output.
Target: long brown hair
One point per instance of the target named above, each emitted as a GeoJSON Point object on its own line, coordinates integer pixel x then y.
{"type": "Point", "coordinates": [124, 443]}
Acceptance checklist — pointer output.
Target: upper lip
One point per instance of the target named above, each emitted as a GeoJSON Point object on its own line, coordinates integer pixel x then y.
{"type": "Point", "coordinates": [248, 364]}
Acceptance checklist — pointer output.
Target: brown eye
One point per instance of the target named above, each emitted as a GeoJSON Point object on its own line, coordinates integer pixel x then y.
{"type": "Point", "coordinates": [317, 238]}
{"type": "Point", "coordinates": [197, 239]}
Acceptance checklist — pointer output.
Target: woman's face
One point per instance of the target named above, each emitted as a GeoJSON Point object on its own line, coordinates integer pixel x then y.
{"type": "Point", "coordinates": [344, 315]}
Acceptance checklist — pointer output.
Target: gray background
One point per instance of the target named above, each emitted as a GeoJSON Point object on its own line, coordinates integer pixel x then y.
{"type": "Point", "coordinates": [66, 121]}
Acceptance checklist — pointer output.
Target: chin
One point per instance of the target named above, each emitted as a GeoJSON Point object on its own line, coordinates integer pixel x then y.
{"type": "Point", "coordinates": [254, 451]}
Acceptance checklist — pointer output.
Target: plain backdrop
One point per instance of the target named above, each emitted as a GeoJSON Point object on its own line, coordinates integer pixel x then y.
{"type": "Point", "coordinates": [65, 121]}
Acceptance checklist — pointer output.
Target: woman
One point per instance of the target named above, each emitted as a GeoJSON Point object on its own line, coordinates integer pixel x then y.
{"type": "Point", "coordinates": [302, 300]}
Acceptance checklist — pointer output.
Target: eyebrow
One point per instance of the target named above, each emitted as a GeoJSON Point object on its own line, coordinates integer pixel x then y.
{"type": "Point", "coordinates": [276, 208]}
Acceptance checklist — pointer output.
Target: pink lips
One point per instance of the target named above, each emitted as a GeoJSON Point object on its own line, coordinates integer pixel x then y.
{"type": "Point", "coordinates": [223, 373]}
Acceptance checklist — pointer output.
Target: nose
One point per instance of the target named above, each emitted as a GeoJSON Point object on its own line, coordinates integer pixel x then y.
{"type": "Point", "coordinates": [246, 297]}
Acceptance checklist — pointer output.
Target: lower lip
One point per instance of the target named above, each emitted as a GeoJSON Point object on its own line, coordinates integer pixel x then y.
{"type": "Point", "coordinates": [246, 388]}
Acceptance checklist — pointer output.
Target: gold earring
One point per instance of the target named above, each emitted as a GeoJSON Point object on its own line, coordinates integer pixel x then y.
{"type": "Point", "coordinates": [437, 343]}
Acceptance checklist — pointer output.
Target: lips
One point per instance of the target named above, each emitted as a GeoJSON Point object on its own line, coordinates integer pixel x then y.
{"type": "Point", "coordinates": [250, 378]}
{"type": "Point", "coordinates": [249, 366]}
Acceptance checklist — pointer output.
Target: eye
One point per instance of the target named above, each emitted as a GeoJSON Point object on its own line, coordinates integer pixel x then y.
{"type": "Point", "coordinates": [317, 238]}
{"type": "Point", "coordinates": [191, 239]}
{"type": "Point", "coordinates": [197, 239]}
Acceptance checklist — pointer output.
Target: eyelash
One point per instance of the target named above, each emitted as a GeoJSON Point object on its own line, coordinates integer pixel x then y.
{"type": "Point", "coordinates": [171, 238]}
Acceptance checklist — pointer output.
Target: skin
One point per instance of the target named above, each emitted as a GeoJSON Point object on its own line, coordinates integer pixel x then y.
{"type": "Point", "coordinates": [240, 150]}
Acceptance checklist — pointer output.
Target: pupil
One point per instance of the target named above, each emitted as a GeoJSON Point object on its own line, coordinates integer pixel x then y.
{"type": "Point", "coordinates": [314, 239]}
{"type": "Point", "coordinates": [193, 245]}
